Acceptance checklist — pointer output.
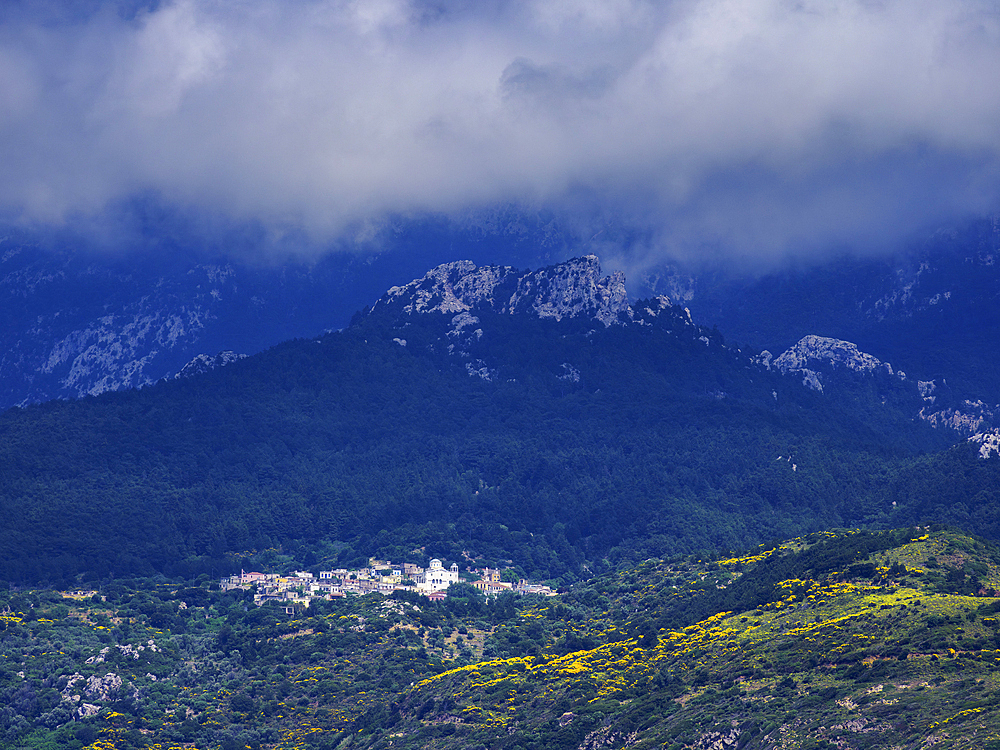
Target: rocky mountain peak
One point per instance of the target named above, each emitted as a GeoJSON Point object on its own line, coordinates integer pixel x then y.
{"type": "Point", "coordinates": [450, 288]}
{"type": "Point", "coordinates": [812, 352]}
{"type": "Point", "coordinates": [572, 289]}
{"type": "Point", "coordinates": [566, 290]}
{"type": "Point", "coordinates": [820, 350]}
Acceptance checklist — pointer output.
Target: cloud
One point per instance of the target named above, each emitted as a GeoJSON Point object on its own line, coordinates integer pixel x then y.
{"type": "Point", "coordinates": [755, 127]}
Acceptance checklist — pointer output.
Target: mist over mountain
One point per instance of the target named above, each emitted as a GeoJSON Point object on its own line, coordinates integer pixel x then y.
{"type": "Point", "coordinates": [317, 153]}
{"type": "Point", "coordinates": [81, 318]}
{"type": "Point", "coordinates": [751, 129]}
{"type": "Point", "coordinates": [931, 308]}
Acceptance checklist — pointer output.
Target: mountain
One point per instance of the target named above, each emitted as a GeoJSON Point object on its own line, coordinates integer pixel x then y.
{"type": "Point", "coordinates": [527, 416]}
{"type": "Point", "coordinates": [78, 323]}
{"type": "Point", "coordinates": [81, 320]}
{"type": "Point", "coordinates": [568, 290]}
{"type": "Point", "coordinates": [537, 422]}
{"type": "Point", "coordinates": [930, 308]}
{"type": "Point", "coordinates": [576, 289]}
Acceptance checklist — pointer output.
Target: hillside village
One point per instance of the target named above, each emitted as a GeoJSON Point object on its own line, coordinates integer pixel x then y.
{"type": "Point", "coordinates": [379, 577]}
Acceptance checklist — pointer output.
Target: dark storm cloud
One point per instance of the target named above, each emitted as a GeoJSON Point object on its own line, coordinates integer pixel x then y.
{"type": "Point", "coordinates": [757, 127]}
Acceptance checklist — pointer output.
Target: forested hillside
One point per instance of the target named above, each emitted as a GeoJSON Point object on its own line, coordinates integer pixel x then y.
{"type": "Point", "coordinates": [585, 447]}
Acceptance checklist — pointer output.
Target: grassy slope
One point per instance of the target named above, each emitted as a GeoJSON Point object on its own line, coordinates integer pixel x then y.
{"type": "Point", "coordinates": [836, 660]}
{"type": "Point", "coordinates": [832, 643]}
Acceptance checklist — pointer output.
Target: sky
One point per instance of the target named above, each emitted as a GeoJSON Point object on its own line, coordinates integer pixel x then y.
{"type": "Point", "coordinates": [745, 128]}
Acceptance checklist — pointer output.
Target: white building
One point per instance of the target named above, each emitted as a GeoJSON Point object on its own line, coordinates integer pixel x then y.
{"type": "Point", "coordinates": [437, 577]}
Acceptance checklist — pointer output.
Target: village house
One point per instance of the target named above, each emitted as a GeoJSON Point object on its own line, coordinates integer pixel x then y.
{"type": "Point", "coordinates": [81, 594]}
{"type": "Point", "coordinates": [380, 576]}
{"type": "Point", "coordinates": [524, 588]}
{"type": "Point", "coordinates": [492, 588]}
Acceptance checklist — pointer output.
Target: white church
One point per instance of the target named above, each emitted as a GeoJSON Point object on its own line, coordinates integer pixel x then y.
{"type": "Point", "coordinates": [436, 577]}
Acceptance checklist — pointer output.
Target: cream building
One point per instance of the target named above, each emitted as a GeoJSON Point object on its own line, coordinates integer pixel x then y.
{"type": "Point", "coordinates": [437, 577]}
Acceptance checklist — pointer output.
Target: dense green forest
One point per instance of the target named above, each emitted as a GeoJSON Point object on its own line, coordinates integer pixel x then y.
{"type": "Point", "coordinates": [665, 441]}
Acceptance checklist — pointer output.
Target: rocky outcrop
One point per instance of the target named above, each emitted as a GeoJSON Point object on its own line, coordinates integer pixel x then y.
{"type": "Point", "coordinates": [87, 710]}
{"type": "Point", "coordinates": [715, 740]}
{"type": "Point", "coordinates": [106, 688]}
{"type": "Point", "coordinates": [969, 418]}
{"type": "Point", "coordinates": [812, 357]}
{"type": "Point", "coordinates": [83, 324]}
{"type": "Point", "coordinates": [204, 363]}
{"type": "Point", "coordinates": [573, 289]}
{"type": "Point", "coordinates": [126, 650]}
{"type": "Point", "coordinates": [989, 442]}
{"type": "Point", "coordinates": [812, 353]}
{"type": "Point", "coordinates": [80, 691]}
{"type": "Point", "coordinates": [927, 388]}
{"type": "Point", "coordinates": [813, 350]}
{"type": "Point", "coordinates": [607, 737]}
{"type": "Point", "coordinates": [470, 297]}
{"type": "Point", "coordinates": [115, 352]}
{"type": "Point", "coordinates": [450, 288]}
{"type": "Point", "coordinates": [567, 290]}
{"type": "Point", "coordinates": [954, 419]}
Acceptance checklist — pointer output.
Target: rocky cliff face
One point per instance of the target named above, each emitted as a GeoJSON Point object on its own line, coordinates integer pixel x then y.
{"type": "Point", "coordinates": [79, 320]}
{"type": "Point", "coordinates": [469, 297]}
{"type": "Point", "coordinates": [968, 417]}
{"type": "Point", "coordinates": [813, 353]}
{"type": "Point", "coordinates": [816, 358]}
{"type": "Point", "coordinates": [204, 363]}
{"type": "Point", "coordinates": [567, 290]}
{"type": "Point", "coordinates": [77, 324]}
{"type": "Point", "coordinates": [989, 443]}
{"type": "Point", "coordinates": [811, 350]}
